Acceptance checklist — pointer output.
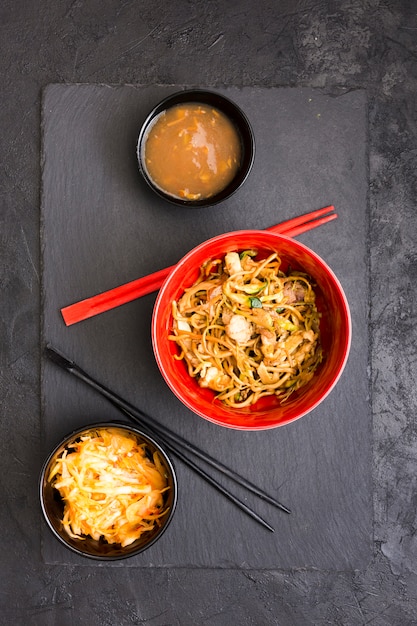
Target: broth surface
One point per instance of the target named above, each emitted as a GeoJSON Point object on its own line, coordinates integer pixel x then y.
{"type": "Point", "coordinates": [192, 151]}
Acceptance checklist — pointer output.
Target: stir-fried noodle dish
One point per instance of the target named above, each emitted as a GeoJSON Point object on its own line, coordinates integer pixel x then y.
{"type": "Point", "coordinates": [246, 329]}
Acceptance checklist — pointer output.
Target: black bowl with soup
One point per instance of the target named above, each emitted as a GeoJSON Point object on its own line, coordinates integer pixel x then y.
{"type": "Point", "coordinates": [196, 148]}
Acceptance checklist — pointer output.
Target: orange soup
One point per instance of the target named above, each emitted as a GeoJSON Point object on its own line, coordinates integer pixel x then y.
{"type": "Point", "coordinates": [192, 151]}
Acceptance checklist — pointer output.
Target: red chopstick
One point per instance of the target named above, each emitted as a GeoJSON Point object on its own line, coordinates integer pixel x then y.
{"type": "Point", "coordinates": [117, 296]}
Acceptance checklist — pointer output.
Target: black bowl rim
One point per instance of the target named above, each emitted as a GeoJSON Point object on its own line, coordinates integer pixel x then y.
{"type": "Point", "coordinates": [137, 431]}
{"type": "Point", "coordinates": [232, 110]}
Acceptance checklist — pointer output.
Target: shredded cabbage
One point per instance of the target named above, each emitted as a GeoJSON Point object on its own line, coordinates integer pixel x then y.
{"type": "Point", "coordinates": [110, 488]}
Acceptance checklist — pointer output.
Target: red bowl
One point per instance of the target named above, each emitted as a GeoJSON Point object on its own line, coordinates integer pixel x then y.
{"type": "Point", "coordinates": [335, 331]}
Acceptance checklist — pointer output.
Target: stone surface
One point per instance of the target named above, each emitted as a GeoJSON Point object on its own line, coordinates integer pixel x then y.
{"type": "Point", "coordinates": [333, 46]}
{"type": "Point", "coordinates": [101, 226]}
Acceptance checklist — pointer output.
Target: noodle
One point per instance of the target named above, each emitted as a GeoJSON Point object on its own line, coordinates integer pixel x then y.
{"type": "Point", "coordinates": [246, 329]}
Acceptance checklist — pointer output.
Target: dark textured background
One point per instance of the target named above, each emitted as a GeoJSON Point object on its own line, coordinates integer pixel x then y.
{"type": "Point", "coordinates": [333, 46]}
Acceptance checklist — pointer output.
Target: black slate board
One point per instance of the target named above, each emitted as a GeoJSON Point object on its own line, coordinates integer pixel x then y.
{"type": "Point", "coordinates": [101, 227]}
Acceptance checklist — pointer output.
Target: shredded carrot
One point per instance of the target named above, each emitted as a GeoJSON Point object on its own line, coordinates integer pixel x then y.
{"type": "Point", "coordinates": [111, 489]}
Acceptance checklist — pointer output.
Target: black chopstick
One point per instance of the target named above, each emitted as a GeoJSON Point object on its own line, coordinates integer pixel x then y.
{"type": "Point", "coordinates": [175, 450]}
{"type": "Point", "coordinates": [140, 417]}
{"type": "Point", "coordinates": [164, 431]}
{"type": "Point", "coordinates": [170, 438]}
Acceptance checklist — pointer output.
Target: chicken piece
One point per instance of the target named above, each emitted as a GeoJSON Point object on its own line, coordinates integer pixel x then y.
{"type": "Point", "coordinates": [309, 335]}
{"type": "Point", "coordinates": [215, 292]}
{"type": "Point", "coordinates": [295, 348]}
{"type": "Point", "coordinates": [268, 340]}
{"type": "Point", "coordinates": [213, 378]}
{"type": "Point", "coordinates": [294, 291]}
{"type": "Point", "coordinates": [293, 343]}
{"type": "Point", "coordinates": [264, 318]}
{"type": "Point", "coordinates": [232, 262]}
{"type": "Point", "coordinates": [185, 342]}
{"type": "Point", "coordinates": [267, 377]}
{"type": "Point", "coordinates": [183, 325]}
{"type": "Point", "coordinates": [239, 329]}
{"type": "Point", "coordinates": [213, 299]}
{"type": "Point", "coordinates": [227, 315]}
